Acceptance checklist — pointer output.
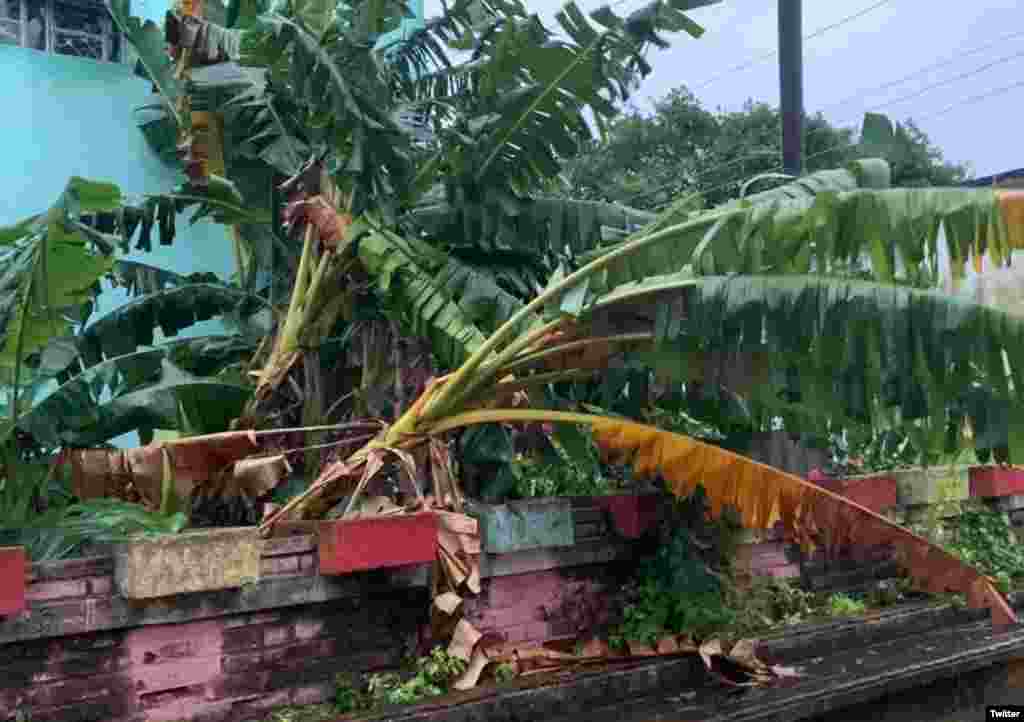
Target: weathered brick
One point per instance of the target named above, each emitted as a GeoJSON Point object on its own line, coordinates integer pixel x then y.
{"type": "Point", "coordinates": [244, 638]}
{"type": "Point", "coordinates": [538, 632]}
{"type": "Point", "coordinates": [287, 546]}
{"type": "Point", "coordinates": [175, 675]}
{"type": "Point", "coordinates": [267, 701]}
{"type": "Point", "coordinates": [246, 620]}
{"type": "Point", "coordinates": [112, 708]}
{"type": "Point", "coordinates": [313, 693]}
{"type": "Point", "coordinates": [100, 586]}
{"type": "Point", "coordinates": [172, 642]}
{"type": "Point", "coordinates": [274, 636]}
{"type": "Point", "coordinates": [73, 568]}
{"type": "Point", "coordinates": [70, 691]}
{"type": "Point", "coordinates": [59, 589]}
{"type": "Point", "coordinates": [309, 628]}
{"type": "Point", "coordinates": [236, 663]}
{"type": "Point", "coordinates": [270, 566]}
{"type": "Point", "coordinates": [307, 562]}
{"type": "Point", "coordinates": [227, 686]}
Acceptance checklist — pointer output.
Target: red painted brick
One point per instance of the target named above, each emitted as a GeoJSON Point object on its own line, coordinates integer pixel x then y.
{"type": "Point", "coordinates": [534, 589]}
{"type": "Point", "coordinates": [279, 698]}
{"type": "Point", "coordinates": [244, 638]}
{"type": "Point", "coordinates": [175, 675]}
{"type": "Point", "coordinates": [184, 703]}
{"type": "Point", "coordinates": [13, 571]}
{"type": "Point", "coordinates": [250, 619]}
{"type": "Point", "coordinates": [70, 691]}
{"type": "Point", "coordinates": [992, 481]}
{"type": "Point", "coordinates": [236, 663]}
{"type": "Point", "coordinates": [789, 571]}
{"type": "Point", "coordinates": [172, 642]}
{"type": "Point", "coordinates": [361, 544]}
{"type": "Point", "coordinates": [308, 629]}
{"type": "Point", "coordinates": [227, 686]}
{"type": "Point", "coordinates": [313, 693]}
{"type": "Point", "coordinates": [73, 568]}
{"type": "Point", "coordinates": [62, 589]}
{"type": "Point", "coordinates": [100, 586]}
{"type": "Point", "coordinates": [276, 635]}
{"type": "Point", "coordinates": [538, 632]}
{"type": "Point", "coordinates": [632, 514]}
{"type": "Point", "coordinates": [287, 546]}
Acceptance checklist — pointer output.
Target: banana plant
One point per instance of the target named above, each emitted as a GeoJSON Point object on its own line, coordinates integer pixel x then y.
{"type": "Point", "coordinates": [588, 318]}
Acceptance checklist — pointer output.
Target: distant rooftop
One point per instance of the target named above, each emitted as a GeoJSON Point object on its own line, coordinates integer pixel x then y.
{"type": "Point", "coordinates": [1010, 177]}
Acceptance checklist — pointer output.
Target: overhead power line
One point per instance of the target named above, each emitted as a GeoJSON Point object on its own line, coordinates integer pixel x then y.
{"type": "Point", "coordinates": [758, 59]}
{"type": "Point", "coordinates": [926, 69]}
{"type": "Point", "coordinates": [943, 83]}
{"type": "Point", "coordinates": [971, 100]}
{"type": "Point", "coordinates": [842, 124]}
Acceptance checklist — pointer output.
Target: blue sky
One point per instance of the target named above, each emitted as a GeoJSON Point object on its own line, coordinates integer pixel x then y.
{"type": "Point", "coordinates": [886, 44]}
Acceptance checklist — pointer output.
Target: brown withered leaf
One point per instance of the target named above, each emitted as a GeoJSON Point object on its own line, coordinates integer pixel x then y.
{"type": "Point", "coordinates": [449, 602]}
{"type": "Point", "coordinates": [105, 472]}
{"type": "Point", "coordinates": [477, 664]}
{"type": "Point", "coordinates": [258, 477]}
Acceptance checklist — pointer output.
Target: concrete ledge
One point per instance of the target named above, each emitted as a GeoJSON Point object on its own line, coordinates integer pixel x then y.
{"type": "Point", "coordinates": [193, 561]}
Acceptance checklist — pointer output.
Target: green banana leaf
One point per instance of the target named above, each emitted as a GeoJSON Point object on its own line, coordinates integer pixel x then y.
{"type": "Point", "coordinates": [137, 392]}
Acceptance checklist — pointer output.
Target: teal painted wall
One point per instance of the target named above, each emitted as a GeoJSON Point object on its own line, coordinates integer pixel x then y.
{"type": "Point", "coordinates": [71, 116]}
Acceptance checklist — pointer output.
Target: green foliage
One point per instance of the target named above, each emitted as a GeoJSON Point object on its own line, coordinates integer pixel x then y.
{"type": "Point", "coordinates": [32, 508]}
{"type": "Point", "coordinates": [574, 470]}
{"type": "Point", "coordinates": [843, 605]}
{"type": "Point", "coordinates": [906, 357]}
{"type": "Point", "coordinates": [984, 539]}
{"type": "Point", "coordinates": [768, 604]}
{"type": "Point", "coordinates": [504, 672]}
{"type": "Point", "coordinates": [138, 391]}
{"type": "Point", "coordinates": [432, 677]}
{"type": "Point", "coordinates": [679, 589]}
{"type": "Point", "coordinates": [682, 149]}
{"type": "Point", "coordinates": [113, 520]}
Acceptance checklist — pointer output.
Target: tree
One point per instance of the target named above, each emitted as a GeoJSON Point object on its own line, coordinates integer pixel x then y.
{"type": "Point", "coordinates": [770, 278]}
{"type": "Point", "coordinates": [681, 147]}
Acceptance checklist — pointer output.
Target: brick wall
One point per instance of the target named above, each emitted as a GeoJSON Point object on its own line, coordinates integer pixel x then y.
{"type": "Point", "coordinates": [81, 652]}
{"type": "Point", "coordinates": [71, 656]}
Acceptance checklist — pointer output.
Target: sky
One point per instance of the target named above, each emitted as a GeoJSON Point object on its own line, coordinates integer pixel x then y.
{"type": "Point", "coordinates": [847, 64]}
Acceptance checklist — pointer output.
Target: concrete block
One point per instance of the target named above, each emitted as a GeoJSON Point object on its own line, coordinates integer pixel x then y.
{"type": "Point", "coordinates": [932, 485]}
{"type": "Point", "coordinates": [522, 525]}
{"type": "Point", "coordinates": [1008, 504]}
{"type": "Point", "coordinates": [193, 561]}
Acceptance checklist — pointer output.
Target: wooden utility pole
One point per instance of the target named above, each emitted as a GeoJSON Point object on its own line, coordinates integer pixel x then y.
{"type": "Point", "coordinates": [791, 83]}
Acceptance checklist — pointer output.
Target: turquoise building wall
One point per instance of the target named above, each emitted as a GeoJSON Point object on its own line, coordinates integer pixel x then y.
{"type": "Point", "coordinates": [71, 116]}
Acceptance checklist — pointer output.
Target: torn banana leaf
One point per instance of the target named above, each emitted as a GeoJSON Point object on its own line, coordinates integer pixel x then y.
{"type": "Point", "coordinates": [136, 392]}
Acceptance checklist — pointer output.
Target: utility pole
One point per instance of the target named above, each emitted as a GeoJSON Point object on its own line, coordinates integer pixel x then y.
{"type": "Point", "coordinates": [791, 84]}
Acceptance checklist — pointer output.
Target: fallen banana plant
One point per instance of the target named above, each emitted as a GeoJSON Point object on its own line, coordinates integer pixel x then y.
{"type": "Point", "coordinates": [927, 336]}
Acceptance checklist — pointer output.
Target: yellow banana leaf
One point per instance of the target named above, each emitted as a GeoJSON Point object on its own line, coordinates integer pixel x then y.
{"type": "Point", "coordinates": [810, 514]}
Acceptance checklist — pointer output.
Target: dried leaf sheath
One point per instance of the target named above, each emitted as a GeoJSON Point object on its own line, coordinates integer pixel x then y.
{"type": "Point", "coordinates": [811, 515]}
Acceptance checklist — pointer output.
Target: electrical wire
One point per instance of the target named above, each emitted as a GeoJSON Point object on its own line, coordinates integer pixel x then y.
{"type": "Point", "coordinates": [842, 146]}
{"type": "Point", "coordinates": [934, 86]}
{"type": "Point", "coordinates": [758, 59]}
{"type": "Point", "coordinates": [840, 126]}
{"type": "Point", "coordinates": [926, 69]}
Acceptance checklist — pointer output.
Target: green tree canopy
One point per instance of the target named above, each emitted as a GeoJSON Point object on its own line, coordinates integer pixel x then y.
{"type": "Point", "coordinates": [649, 159]}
